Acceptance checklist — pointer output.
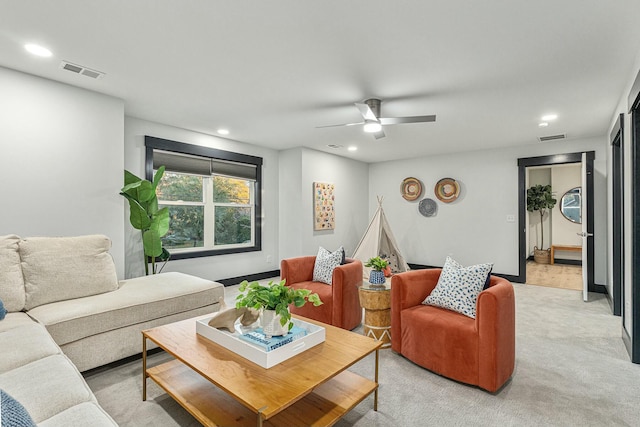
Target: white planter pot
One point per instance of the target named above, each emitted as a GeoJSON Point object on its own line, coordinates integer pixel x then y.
{"type": "Point", "coordinates": [270, 322]}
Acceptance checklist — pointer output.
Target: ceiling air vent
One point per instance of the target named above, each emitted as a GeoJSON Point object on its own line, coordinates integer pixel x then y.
{"type": "Point", "coordinates": [334, 146]}
{"type": "Point", "coordinates": [552, 137]}
{"type": "Point", "coordinates": [79, 69]}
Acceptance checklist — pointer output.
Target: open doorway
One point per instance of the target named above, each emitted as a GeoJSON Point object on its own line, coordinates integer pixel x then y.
{"type": "Point", "coordinates": [555, 235]}
{"type": "Point", "coordinates": [559, 159]}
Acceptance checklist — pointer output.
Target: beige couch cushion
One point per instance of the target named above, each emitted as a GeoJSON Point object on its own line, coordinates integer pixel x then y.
{"type": "Point", "coordinates": [47, 386]}
{"type": "Point", "coordinates": [63, 268]}
{"type": "Point", "coordinates": [83, 414]}
{"type": "Point", "coordinates": [15, 320]}
{"type": "Point", "coordinates": [11, 282]}
{"type": "Point", "coordinates": [24, 345]}
{"type": "Point", "coordinates": [136, 301]}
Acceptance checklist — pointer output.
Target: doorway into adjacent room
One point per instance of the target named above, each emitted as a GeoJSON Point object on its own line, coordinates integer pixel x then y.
{"type": "Point", "coordinates": [585, 160]}
{"type": "Point", "coordinates": [559, 228]}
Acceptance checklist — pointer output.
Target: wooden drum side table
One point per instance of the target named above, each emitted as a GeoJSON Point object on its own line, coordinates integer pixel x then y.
{"type": "Point", "coordinates": [376, 301]}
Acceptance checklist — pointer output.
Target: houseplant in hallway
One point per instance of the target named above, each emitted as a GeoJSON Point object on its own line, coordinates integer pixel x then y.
{"type": "Point", "coordinates": [540, 199]}
{"type": "Point", "coordinates": [145, 216]}
{"type": "Point", "coordinates": [273, 300]}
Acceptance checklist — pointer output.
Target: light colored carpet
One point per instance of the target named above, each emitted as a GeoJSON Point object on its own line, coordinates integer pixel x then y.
{"type": "Point", "coordinates": [571, 370]}
{"type": "Point", "coordinates": [555, 276]}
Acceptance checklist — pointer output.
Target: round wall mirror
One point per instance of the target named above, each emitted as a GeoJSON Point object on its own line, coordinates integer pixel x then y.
{"type": "Point", "coordinates": [570, 205]}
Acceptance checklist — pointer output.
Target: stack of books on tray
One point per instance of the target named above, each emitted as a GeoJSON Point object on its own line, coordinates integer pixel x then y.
{"type": "Point", "coordinates": [258, 338]}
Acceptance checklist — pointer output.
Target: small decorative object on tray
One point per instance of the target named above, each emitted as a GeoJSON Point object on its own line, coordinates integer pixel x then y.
{"type": "Point", "coordinates": [259, 338]}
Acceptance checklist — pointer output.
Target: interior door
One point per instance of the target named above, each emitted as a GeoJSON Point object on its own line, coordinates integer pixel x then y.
{"type": "Point", "coordinates": [585, 233]}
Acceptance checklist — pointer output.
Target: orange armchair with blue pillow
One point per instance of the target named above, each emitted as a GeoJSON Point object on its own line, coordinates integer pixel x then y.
{"type": "Point", "coordinates": [478, 351]}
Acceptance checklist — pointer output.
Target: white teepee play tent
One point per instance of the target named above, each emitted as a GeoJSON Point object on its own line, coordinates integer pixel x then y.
{"type": "Point", "coordinates": [378, 240]}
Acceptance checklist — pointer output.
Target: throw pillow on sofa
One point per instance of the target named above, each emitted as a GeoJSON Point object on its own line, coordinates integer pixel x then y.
{"type": "Point", "coordinates": [458, 287]}
{"type": "Point", "coordinates": [63, 268]}
{"type": "Point", "coordinates": [11, 280]}
{"type": "Point", "coordinates": [325, 263]}
{"type": "Point", "coordinates": [12, 413]}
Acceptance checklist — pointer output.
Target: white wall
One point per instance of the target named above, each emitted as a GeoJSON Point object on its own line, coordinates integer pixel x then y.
{"type": "Point", "coordinates": [474, 228]}
{"type": "Point", "coordinates": [300, 168]}
{"type": "Point", "coordinates": [564, 232]}
{"type": "Point", "coordinates": [62, 160]}
{"type": "Point", "coordinates": [221, 266]}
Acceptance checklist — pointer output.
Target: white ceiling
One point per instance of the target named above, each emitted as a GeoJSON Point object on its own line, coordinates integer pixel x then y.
{"type": "Point", "coordinates": [271, 71]}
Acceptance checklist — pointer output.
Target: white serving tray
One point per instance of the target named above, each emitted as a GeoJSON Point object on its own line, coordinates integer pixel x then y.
{"type": "Point", "coordinates": [266, 359]}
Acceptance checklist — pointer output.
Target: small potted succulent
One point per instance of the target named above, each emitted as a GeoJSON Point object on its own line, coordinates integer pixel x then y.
{"type": "Point", "coordinates": [274, 300]}
{"type": "Point", "coordinates": [378, 267]}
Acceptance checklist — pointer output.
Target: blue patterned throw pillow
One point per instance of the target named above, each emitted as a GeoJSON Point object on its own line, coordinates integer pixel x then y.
{"type": "Point", "coordinates": [3, 311]}
{"type": "Point", "coordinates": [458, 287]}
{"type": "Point", "coordinates": [12, 413]}
{"type": "Point", "coordinates": [326, 262]}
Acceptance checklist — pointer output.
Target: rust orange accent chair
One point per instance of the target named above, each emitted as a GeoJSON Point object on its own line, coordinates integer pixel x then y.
{"type": "Point", "coordinates": [478, 351]}
{"type": "Point", "coordinates": [341, 305]}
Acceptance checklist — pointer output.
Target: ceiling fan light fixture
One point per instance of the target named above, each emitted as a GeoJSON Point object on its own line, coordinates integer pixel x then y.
{"type": "Point", "coordinates": [372, 127]}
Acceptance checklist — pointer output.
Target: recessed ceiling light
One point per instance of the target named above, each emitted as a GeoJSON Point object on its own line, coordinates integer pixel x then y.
{"type": "Point", "coordinates": [352, 148]}
{"type": "Point", "coordinates": [38, 50]}
{"type": "Point", "coordinates": [223, 131]}
{"type": "Point", "coordinates": [549, 117]}
{"type": "Point", "coordinates": [543, 124]}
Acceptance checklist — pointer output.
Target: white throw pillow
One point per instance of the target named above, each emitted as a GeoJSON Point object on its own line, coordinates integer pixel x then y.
{"type": "Point", "coordinates": [12, 291]}
{"type": "Point", "coordinates": [63, 268]}
{"type": "Point", "coordinates": [325, 263]}
{"type": "Point", "coordinates": [458, 287]}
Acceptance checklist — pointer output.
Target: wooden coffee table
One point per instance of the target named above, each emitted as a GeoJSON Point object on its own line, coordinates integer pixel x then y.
{"type": "Point", "coordinates": [219, 387]}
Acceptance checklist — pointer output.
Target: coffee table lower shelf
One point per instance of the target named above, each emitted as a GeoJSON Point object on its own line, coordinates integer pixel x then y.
{"type": "Point", "coordinates": [211, 406]}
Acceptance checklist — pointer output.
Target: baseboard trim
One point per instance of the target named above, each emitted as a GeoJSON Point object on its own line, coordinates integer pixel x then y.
{"type": "Point", "coordinates": [249, 278]}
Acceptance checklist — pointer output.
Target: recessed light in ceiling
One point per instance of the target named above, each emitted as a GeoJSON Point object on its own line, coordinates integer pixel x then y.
{"type": "Point", "coordinates": [37, 50]}
{"type": "Point", "coordinates": [549, 117]}
{"type": "Point", "coordinates": [223, 131]}
{"type": "Point", "coordinates": [543, 124]}
{"type": "Point", "coordinates": [352, 148]}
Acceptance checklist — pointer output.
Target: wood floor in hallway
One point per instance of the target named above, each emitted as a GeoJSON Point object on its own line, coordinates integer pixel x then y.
{"type": "Point", "coordinates": [554, 276]}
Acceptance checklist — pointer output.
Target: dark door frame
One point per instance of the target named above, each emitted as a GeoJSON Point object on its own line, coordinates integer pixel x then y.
{"type": "Point", "coordinates": [632, 340]}
{"type": "Point", "coordinates": [617, 222]}
{"type": "Point", "coordinates": [556, 159]}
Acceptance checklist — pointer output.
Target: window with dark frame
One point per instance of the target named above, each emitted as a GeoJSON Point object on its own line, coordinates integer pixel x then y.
{"type": "Point", "coordinates": [213, 198]}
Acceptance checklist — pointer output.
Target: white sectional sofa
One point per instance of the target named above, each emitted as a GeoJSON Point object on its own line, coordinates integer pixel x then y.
{"type": "Point", "coordinates": [67, 313]}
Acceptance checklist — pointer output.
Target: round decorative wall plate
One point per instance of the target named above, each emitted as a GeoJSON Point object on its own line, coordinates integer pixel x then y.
{"type": "Point", "coordinates": [447, 190]}
{"type": "Point", "coordinates": [428, 207]}
{"type": "Point", "coordinates": [411, 188]}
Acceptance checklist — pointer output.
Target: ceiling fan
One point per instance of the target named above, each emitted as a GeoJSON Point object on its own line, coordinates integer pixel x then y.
{"type": "Point", "coordinates": [370, 110]}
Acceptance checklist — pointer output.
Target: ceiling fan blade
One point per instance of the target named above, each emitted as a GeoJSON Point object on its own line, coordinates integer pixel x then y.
{"type": "Point", "coordinates": [345, 124]}
{"type": "Point", "coordinates": [366, 112]}
{"type": "Point", "coordinates": [379, 135]}
{"type": "Point", "coordinates": [401, 120]}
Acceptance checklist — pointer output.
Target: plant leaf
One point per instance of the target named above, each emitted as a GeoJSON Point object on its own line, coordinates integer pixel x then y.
{"type": "Point", "coordinates": [160, 222]}
{"type": "Point", "coordinates": [157, 177]}
{"type": "Point", "coordinates": [152, 243]}
{"type": "Point", "coordinates": [130, 178]}
{"type": "Point", "coordinates": [138, 215]}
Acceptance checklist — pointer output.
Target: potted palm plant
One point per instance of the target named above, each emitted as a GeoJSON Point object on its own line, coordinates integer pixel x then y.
{"type": "Point", "coordinates": [273, 300]}
{"type": "Point", "coordinates": [540, 199]}
{"type": "Point", "coordinates": [378, 266]}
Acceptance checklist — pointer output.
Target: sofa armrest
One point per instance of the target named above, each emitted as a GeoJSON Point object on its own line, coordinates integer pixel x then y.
{"type": "Point", "coordinates": [296, 270]}
{"type": "Point", "coordinates": [496, 323]}
{"type": "Point", "coordinates": [345, 281]}
{"type": "Point", "coordinates": [408, 290]}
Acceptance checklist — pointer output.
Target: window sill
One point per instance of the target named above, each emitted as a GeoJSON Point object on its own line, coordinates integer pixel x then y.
{"type": "Point", "coordinates": [211, 252]}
